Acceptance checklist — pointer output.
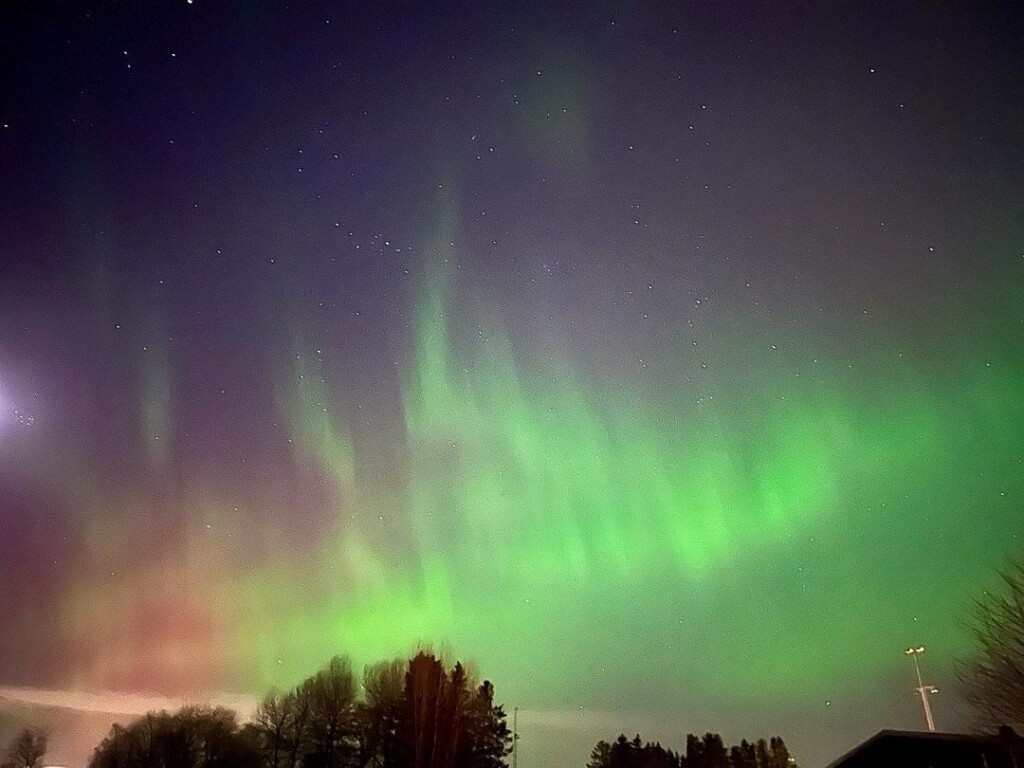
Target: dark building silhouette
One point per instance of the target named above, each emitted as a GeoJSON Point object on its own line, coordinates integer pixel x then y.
{"type": "Point", "coordinates": [912, 749]}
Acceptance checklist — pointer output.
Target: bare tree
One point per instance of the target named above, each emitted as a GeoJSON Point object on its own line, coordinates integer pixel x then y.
{"type": "Point", "coordinates": [381, 713]}
{"type": "Point", "coordinates": [300, 705]}
{"type": "Point", "coordinates": [993, 678]}
{"type": "Point", "coordinates": [273, 721]}
{"type": "Point", "coordinates": [27, 750]}
{"type": "Point", "coordinates": [333, 712]}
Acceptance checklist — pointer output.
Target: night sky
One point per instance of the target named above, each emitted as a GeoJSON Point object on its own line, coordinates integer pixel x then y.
{"type": "Point", "coordinates": [666, 360]}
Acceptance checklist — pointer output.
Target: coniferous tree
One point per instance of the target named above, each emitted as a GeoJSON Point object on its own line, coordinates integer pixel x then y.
{"type": "Point", "coordinates": [763, 754]}
{"type": "Point", "coordinates": [653, 755]}
{"type": "Point", "coordinates": [694, 752]}
{"type": "Point", "coordinates": [635, 748]}
{"type": "Point", "coordinates": [780, 757]}
{"type": "Point", "coordinates": [447, 723]}
{"type": "Point", "coordinates": [490, 740]}
{"type": "Point", "coordinates": [622, 752]}
{"type": "Point", "coordinates": [424, 685]}
{"type": "Point", "coordinates": [633, 753]}
{"type": "Point", "coordinates": [600, 755]}
{"type": "Point", "coordinates": [708, 751]}
{"type": "Point", "coordinates": [748, 756]}
{"type": "Point", "coordinates": [715, 753]}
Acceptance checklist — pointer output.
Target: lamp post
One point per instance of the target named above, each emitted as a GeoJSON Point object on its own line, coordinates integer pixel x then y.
{"type": "Point", "coordinates": [925, 691]}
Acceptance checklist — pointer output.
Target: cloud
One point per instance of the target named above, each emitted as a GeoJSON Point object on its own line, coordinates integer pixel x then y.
{"type": "Point", "coordinates": [113, 703]}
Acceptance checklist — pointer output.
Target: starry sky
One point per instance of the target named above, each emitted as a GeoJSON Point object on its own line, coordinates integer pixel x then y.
{"type": "Point", "coordinates": [666, 360]}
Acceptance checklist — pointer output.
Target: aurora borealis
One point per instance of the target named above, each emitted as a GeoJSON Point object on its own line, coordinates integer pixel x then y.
{"type": "Point", "coordinates": [668, 363]}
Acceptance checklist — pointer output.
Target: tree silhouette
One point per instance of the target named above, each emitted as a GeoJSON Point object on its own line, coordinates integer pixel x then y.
{"type": "Point", "coordinates": [764, 756]}
{"type": "Point", "coordinates": [632, 753]}
{"type": "Point", "coordinates": [489, 739]}
{"type": "Point", "coordinates": [993, 679]}
{"type": "Point", "coordinates": [600, 755]}
{"type": "Point", "coordinates": [780, 757]}
{"type": "Point", "coordinates": [749, 756]}
{"type": "Point", "coordinates": [694, 751]}
{"type": "Point", "coordinates": [715, 753]}
{"type": "Point", "coordinates": [446, 723]}
{"type": "Point", "coordinates": [193, 737]}
{"type": "Point", "coordinates": [413, 714]}
{"type": "Point", "coordinates": [708, 751]}
{"type": "Point", "coordinates": [26, 750]}
{"type": "Point", "coordinates": [380, 714]}
{"type": "Point", "coordinates": [622, 752]}
{"type": "Point", "coordinates": [300, 704]}
{"type": "Point", "coordinates": [273, 725]}
{"type": "Point", "coordinates": [333, 715]}
{"type": "Point", "coordinates": [424, 683]}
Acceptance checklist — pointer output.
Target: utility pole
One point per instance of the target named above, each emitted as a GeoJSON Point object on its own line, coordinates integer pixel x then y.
{"type": "Point", "coordinates": [925, 691]}
{"type": "Point", "coordinates": [515, 737]}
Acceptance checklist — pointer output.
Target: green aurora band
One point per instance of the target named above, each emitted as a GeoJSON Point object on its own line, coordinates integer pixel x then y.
{"type": "Point", "coordinates": [569, 535]}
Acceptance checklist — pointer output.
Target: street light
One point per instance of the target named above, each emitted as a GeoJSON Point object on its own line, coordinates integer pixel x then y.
{"type": "Point", "coordinates": [925, 691]}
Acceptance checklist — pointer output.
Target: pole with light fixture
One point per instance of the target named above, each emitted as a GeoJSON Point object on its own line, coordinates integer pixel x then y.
{"type": "Point", "coordinates": [924, 690]}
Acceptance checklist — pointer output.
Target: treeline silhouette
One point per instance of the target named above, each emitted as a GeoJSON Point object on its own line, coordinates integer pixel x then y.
{"type": "Point", "coordinates": [708, 751]}
{"type": "Point", "coordinates": [407, 714]}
